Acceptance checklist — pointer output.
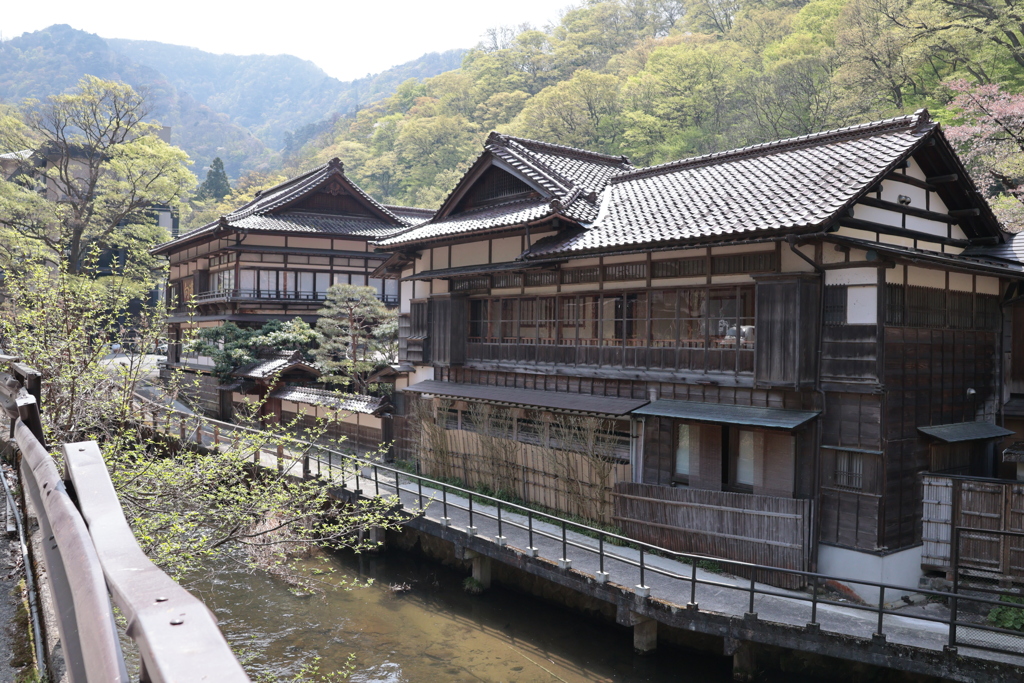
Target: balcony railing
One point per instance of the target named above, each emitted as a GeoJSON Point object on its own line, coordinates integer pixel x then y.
{"type": "Point", "coordinates": [274, 295]}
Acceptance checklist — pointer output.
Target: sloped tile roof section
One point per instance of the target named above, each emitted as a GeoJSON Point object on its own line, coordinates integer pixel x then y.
{"type": "Point", "coordinates": [352, 403]}
{"type": "Point", "coordinates": [720, 413]}
{"type": "Point", "coordinates": [536, 398]}
{"type": "Point", "coordinates": [276, 210]}
{"type": "Point", "coordinates": [1011, 251]}
{"type": "Point", "coordinates": [496, 216]}
{"type": "Point", "coordinates": [787, 185]}
{"type": "Point", "coordinates": [315, 223]}
{"type": "Point", "coordinates": [571, 181]}
{"type": "Point", "coordinates": [281, 363]}
{"type": "Point", "coordinates": [965, 431]}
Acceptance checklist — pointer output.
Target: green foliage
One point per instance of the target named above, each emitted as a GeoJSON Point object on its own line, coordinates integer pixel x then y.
{"type": "Point", "coordinates": [358, 335]}
{"type": "Point", "coordinates": [92, 171]}
{"type": "Point", "coordinates": [216, 185]}
{"type": "Point", "coordinates": [232, 347]}
{"type": "Point", "coordinates": [1008, 617]}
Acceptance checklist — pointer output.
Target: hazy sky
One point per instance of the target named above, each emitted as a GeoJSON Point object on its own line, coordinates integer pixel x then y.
{"type": "Point", "coordinates": [346, 38]}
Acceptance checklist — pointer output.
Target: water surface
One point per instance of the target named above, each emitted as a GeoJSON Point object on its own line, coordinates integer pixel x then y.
{"type": "Point", "coordinates": [435, 631]}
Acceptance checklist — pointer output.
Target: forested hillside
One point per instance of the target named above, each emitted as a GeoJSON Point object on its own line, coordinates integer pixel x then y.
{"type": "Point", "coordinates": [273, 95]}
{"type": "Point", "coordinates": [664, 79]}
{"type": "Point", "coordinates": [245, 110]}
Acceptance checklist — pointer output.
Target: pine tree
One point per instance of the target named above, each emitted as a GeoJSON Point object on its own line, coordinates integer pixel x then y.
{"type": "Point", "coordinates": [216, 185]}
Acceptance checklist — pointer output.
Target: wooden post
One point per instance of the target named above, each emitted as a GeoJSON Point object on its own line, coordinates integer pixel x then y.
{"type": "Point", "coordinates": [280, 458]}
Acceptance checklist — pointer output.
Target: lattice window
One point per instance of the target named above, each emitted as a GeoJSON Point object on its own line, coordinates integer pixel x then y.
{"type": "Point", "coordinates": [986, 314]}
{"type": "Point", "coordinates": [835, 305]}
{"type": "Point", "coordinates": [626, 271]}
{"type": "Point", "coordinates": [687, 267]}
{"type": "Point", "coordinates": [496, 185]}
{"type": "Point", "coordinates": [926, 307]}
{"type": "Point", "coordinates": [759, 262]}
{"type": "Point", "coordinates": [575, 276]}
{"type": "Point", "coordinates": [508, 280]}
{"type": "Point", "coordinates": [849, 472]}
{"type": "Point", "coordinates": [541, 279]}
{"type": "Point", "coordinates": [961, 310]}
{"type": "Point", "coordinates": [471, 283]}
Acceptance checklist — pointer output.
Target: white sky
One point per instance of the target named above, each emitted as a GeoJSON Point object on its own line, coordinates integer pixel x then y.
{"type": "Point", "coordinates": [346, 38]}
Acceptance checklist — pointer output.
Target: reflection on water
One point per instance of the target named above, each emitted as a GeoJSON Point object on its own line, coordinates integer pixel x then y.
{"type": "Point", "coordinates": [435, 632]}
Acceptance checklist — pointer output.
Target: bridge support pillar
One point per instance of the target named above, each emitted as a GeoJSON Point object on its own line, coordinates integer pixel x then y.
{"type": "Point", "coordinates": [645, 636]}
{"type": "Point", "coordinates": [377, 535]}
{"type": "Point", "coordinates": [482, 570]}
{"type": "Point", "coordinates": [744, 660]}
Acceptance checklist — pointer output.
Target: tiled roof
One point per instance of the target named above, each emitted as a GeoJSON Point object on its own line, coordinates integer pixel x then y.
{"type": "Point", "coordinates": [510, 213]}
{"type": "Point", "coordinates": [301, 221]}
{"type": "Point", "coordinates": [571, 179]}
{"type": "Point", "coordinates": [270, 211]}
{"type": "Point", "coordinates": [1012, 250]}
{"type": "Point", "coordinates": [353, 403]}
{"type": "Point", "coordinates": [269, 367]}
{"type": "Point", "coordinates": [789, 184]}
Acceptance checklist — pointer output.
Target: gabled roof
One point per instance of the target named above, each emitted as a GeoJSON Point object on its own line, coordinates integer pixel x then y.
{"type": "Point", "coordinates": [796, 185]}
{"type": "Point", "coordinates": [281, 363]}
{"type": "Point", "coordinates": [568, 181]}
{"type": "Point", "coordinates": [352, 403]}
{"type": "Point", "coordinates": [286, 208]}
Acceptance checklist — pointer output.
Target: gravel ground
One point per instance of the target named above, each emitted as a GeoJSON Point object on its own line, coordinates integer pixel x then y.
{"type": "Point", "coordinates": [10, 573]}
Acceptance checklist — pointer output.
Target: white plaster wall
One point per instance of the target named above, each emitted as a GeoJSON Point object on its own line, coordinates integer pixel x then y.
{"type": "Point", "coordinates": [897, 240]}
{"type": "Point", "coordinates": [309, 243]}
{"type": "Point", "coordinates": [876, 215]}
{"type": "Point", "coordinates": [793, 263]}
{"type": "Point", "coordinates": [914, 170]}
{"type": "Point", "coordinates": [901, 569]}
{"type": "Point", "coordinates": [268, 240]}
{"type": "Point", "coordinates": [892, 189]}
{"type": "Point", "coordinates": [583, 262]}
{"type": "Point", "coordinates": [852, 276]}
{"type": "Point", "coordinates": [627, 258]}
{"type": "Point", "coordinates": [506, 249]}
{"type": "Point", "coordinates": [440, 256]}
{"type": "Point", "coordinates": [350, 245]}
{"type": "Point", "coordinates": [672, 282]}
{"type": "Point", "coordinates": [957, 233]}
{"type": "Point", "coordinates": [926, 226]}
{"type": "Point", "coordinates": [988, 285]}
{"type": "Point", "coordinates": [851, 232]}
{"type": "Point", "coordinates": [439, 286]}
{"type": "Point", "coordinates": [404, 295]}
{"type": "Point", "coordinates": [925, 277]}
{"type": "Point", "coordinates": [421, 289]}
{"type": "Point", "coordinates": [829, 254]}
{"type": "Point", "coordinates": [961, 282]}
{"type": "Point", "coordinates": [471, 254]}
{"type": "Point", "coordinates": [862, 305]}
{"type": "Point", "coordinates": [894, 275]}
{"type": "Point", "coordinates": [930, 246]}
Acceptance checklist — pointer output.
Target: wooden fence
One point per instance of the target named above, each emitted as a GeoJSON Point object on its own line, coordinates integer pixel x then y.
{"type": "Point", "coordinates": [557, 479]}
{"type": "Point", "coordinates": [733, 526]}
{"type": "Point", "coordinates": [974, 503]}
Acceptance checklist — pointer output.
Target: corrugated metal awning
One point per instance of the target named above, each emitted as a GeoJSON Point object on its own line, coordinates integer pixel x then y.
{"type": "Point", "coordinates": [965, 431]}
{"type": "Point", "coordinates": [776, 418]}
{"type": "Point", "coordinates": [532, 398]}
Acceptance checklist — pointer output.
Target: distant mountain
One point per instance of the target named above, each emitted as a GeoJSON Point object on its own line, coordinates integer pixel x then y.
{"type": "Point", "coordinates": [242, 109]}
{"type": "Point", "coordinates": [271, 94]}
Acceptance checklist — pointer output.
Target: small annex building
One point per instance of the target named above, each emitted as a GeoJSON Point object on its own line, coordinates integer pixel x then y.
{"type": "Point", "coordinates": [773, 344]}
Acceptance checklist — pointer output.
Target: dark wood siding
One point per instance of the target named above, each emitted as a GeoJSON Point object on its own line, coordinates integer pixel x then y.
{"type": "Point", "coordinates": [787, 330]}
{"type": "Point", "coordinates": [448, 330]}
{"type": "Point", "coordinates": [849, 353]}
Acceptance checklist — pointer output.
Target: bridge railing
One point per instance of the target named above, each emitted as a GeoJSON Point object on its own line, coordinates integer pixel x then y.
{"type": "Point", "coordinates": [89, 549]}
{"type": "Point", "coordinates": [343, 469]}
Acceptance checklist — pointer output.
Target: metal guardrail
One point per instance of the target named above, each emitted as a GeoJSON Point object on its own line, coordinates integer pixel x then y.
{"type": "Point", "coordinates": [317, 466]}
{"type": "Point", "coordinates": [86, 552]}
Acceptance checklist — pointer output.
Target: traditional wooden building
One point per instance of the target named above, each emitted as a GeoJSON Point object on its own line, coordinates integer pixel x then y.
{"type": "Point", "coordinates": [776, 341]}
{"type": "Point", "coordinates": [274, 259]}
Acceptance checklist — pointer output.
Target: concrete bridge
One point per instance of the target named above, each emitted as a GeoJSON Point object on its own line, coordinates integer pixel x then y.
{"type": "Point", "coordinates": [661, 594]}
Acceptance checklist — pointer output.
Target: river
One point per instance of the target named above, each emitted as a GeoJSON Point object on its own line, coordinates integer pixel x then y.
{"type": "Point", "coordinates": [435, 631]}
